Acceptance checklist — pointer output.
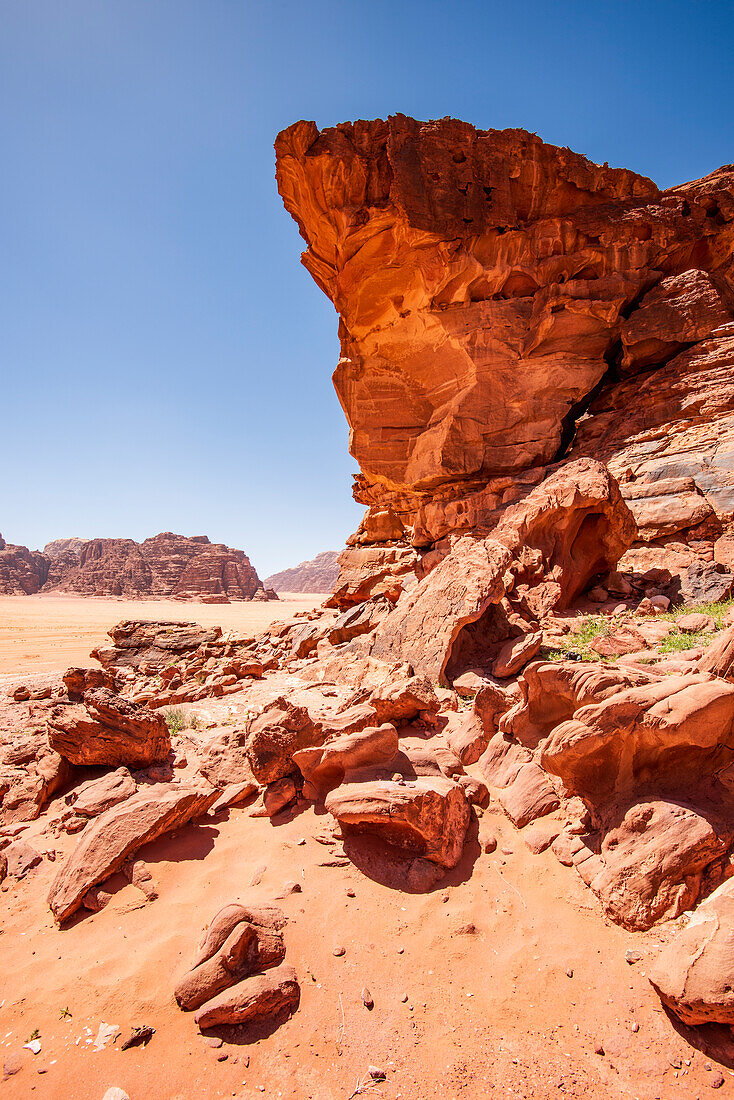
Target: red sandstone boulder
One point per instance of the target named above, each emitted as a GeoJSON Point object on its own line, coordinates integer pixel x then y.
{"type": "Point", "coordinates": [654, 863]}
{"type": "Point", "coordinates": [405, 699]}
{"type": "Point", "coordinates": [426, 817]}
{"type": "Point", "coordinates": [515, 653]}
{"type": "Point", "coordinates": [30, 774]}
{"type": "Point", "coordinates": [240, 941]}
{"type": "Point", "coordinates": [682, 722]}
{"type": "Point", "coordinates": [280, 730]}
{"type": "Point", "coordinates": [112, 837]}
{"type": "Point", "coordinates": [324, 767]}
{"type": "Point", "coordinates": [261, 997]}
{"type": "Point", "coordinates": [693, 973]}
{"type": "Point", "coordinates": [108, 729]}
{"type": "Point", "coordinates": [96, 797]}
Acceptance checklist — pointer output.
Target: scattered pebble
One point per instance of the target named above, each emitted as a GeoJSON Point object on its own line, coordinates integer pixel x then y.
{"type": "Point", "coordinates": [34, 1045]}
{"type": "Point", "coordinates": [632, 956]}
{"type": "Point", "coordinates": [339, 951]}
{"type": "Point", "coordinates": [351, 893]}
{"type": "Point", "coordinates": [599, 1049]}
{"type": "Point", "coordinates": [367, 1000]}
{"type": "Point", "coordinates": [569, 973]}
{"type": "Point", "coordinates": [376, 1073]}
{"type": "Point", "coordinates": [717, 1081]}
{"type": "Point", "coordinates": [212, 1040]}
{"type": "Point", "coordinates": [222, 1056]}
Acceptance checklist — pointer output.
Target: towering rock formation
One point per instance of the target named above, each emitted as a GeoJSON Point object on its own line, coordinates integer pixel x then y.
{"type": "Point", "coordinates": [317, 575]}
{"type": "Point", "coordinates": [505, 303]}
{"type": "Point", "coordinates": [22, 571]}
{"type": "Point", "coordinates": [166, 565]}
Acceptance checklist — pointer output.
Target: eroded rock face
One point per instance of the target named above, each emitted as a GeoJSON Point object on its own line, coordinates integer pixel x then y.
{"type": "Point", "coordinates": [486, 282]}
{"type": "Point", "coordinates": [239, 941]}
{"type": "Point", "coordinates": [122, 830]}
{"type": "Point", "coordinates": [541, 555]}
{"type": "Point", "coordinates": [680, 725]}
{"type": "Point", "coordinates": [427, 816]}
{"type": "Point", "coordinates": [317, 575]}
{"type": "Point", "coordinates": [165, 565]}
{"type": "Point", "coordinates": [107, 729]}
{"type": "Point", "coordinates": [22, 571]}
{"type": "Point", "coordinates": [693, 973]}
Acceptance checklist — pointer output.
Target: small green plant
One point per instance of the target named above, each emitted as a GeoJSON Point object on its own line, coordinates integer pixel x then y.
{"type": "Point", "coordinates": [175, 719]}
{"type": "Point", "coordinates": [35, 1034]}
{"type": "Point", "coordinates": [580, 639]}
{"type": "Point", "coordinates": [195, 722]}
{"type": "Point", "coordinates": [64, 1014]}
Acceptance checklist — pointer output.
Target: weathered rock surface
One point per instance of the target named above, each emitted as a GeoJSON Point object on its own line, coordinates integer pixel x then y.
{"type": "Point", "coordinates": [541, 555]}
{"type": "Point", "coordinates": [317, 575]}
{"type": "Point", "coordinates": [106, 843]}
{"type": "Point", "coordinates": [324, 767]}
{"type": "Point", "coordinates": [31, 772]}
{"type": "Point", "coordinates": [240, 941]}
{"type": "Point", "coordinates": [680, 725]}
{"type": "Point", "coordinates": [487, 283]}
{"type": "Point", "coordinates": [427, 816]}
{"type": "Point", "coordinates": [654, 862]}
{"type": "Point", "coordinates": [97, 796]}
{"type": "Point", "coordinates": [280, 730]}
{"type": "Point", "coordinates": [261, 997]}
{"type": "Point", "coordinates": [693, 973]}
{"type": "Point", "coordinates": [22, 571]}
{"type": "Point", "coordinates": [108, 729]}
{"type": "Point", "coordinates": [165, 565]}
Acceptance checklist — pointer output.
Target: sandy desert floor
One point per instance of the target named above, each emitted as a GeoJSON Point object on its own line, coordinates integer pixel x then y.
{"type": "Point", "coordinates": [503, 982]}
{"type": "Point", "coordinates": [50, 633]}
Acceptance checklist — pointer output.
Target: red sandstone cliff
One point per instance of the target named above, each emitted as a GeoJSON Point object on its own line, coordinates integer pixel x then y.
{"type": "Point", "coordinates": [504, 303]}
{"type": "Point", "coordinates": [166, 565]}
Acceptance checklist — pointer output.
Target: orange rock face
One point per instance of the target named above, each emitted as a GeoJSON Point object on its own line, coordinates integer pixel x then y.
{"type": "Point", "coordinates": [488, 286]}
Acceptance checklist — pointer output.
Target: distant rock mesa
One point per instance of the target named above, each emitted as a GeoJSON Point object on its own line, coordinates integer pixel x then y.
{"type": "Point", "coordinates": [166, 565]}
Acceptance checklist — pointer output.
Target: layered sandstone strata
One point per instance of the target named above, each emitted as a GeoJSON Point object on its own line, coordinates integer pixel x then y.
{"type": "Point", "coordinates": [491, 289]}
{"type": "Point", "coordinates": [22, 571]}
{"type": "Point", "coordinates": [165, 565]}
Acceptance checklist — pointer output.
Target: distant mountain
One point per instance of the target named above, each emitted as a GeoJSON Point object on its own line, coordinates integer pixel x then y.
{"type": "Point", "coordinates": [166, 565]}
{"type": "Point", "coordinates": [318, 575]}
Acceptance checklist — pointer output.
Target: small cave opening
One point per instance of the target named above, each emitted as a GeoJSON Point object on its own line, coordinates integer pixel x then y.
{"type": "Point", "coordinates": [476, 644]}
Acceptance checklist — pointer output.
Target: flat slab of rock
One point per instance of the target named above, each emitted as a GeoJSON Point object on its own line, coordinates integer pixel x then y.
{"type": "Point", "coordinates": [426, 817]}
{"type": "Point", "coordinates": [106, 843]}
{"type": "Point", "coordinates": [324, 766]}
{"type": "Point", "coordinates": [693, 973]}
{"type": "Point", "coordinates": [107, 729]}
{"type": "Point", "coordinates": [516, 653]}
{"type": "Point", "coordinates": [261, 997]}
{"type": "Point", "coordinates": [529, 796]}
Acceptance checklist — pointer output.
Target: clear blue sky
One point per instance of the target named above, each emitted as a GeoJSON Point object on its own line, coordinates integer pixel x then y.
{"type": "Point", "coordinates": [166, 361]}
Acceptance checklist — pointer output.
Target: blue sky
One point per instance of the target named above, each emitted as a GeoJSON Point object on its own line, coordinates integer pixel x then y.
{"type": "Point", "coordinates": [166, 361]}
